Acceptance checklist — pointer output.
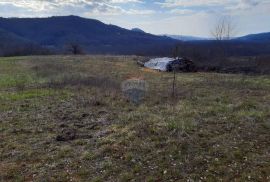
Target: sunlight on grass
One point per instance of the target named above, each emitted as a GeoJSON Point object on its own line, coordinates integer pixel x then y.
{"type": "Point", "coordinates": [31, 94]}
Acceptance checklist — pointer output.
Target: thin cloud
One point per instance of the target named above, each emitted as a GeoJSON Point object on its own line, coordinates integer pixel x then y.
{"type": "Point", "coordinates": [209, 3]}
{"type": "Point", "coordinates": [183, 11]}
{"type": "Point", "coordinates": [101, 7]}
{"type": "Point", "coordinates": [190, 3]}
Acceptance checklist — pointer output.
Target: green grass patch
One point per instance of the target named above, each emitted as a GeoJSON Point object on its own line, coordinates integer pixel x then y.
{"type": "Point", "coordinates": [31, 94]}
{"type": "Point", "coordinates": [19, 81]}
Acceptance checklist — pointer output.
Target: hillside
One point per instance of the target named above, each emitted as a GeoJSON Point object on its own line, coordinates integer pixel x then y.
{"type": "Point", "coordinates": [262, 37]}
{"type": "Point", "coordinates": [12, 44]}
{"type": "Point", "coordinates": [66, 118]}
{"type": "Point", "coordinates": [92, 35]}
{"type": "Point", "coordinates": [55, 35]}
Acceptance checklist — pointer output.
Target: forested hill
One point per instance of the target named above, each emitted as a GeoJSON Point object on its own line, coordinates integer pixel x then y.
{"type": "Point", "coordinates": [91, 35]}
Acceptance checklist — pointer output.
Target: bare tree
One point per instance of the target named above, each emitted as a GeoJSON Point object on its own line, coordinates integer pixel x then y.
{"type": "Point", "coordinates": [175, 51]}
{"type": "Point", "coordinates": [75, 48]}
{"type": "Point", "coordinates": [224, 29]}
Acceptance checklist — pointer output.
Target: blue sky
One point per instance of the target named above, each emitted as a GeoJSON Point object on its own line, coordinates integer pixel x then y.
{"type": "Point", "coordinates": [180, 17]}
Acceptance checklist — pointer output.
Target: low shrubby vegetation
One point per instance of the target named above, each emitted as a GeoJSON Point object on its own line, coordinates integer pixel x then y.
{"type": "Point", "coordinates": [65, 118]}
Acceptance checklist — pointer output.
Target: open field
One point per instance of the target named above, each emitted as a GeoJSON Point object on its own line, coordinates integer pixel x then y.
{"type": "Point", "coordinates": [65, 118]}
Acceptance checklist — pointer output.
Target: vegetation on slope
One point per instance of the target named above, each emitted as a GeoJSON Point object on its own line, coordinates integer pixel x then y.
{"type": "Point", "coordinates": [93, 36]}
{"type": "Point", "coordinates": [65, 118]}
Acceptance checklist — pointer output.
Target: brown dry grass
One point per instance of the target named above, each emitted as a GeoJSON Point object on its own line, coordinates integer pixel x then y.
{"type": "Point", "coordinates": [215, 129]}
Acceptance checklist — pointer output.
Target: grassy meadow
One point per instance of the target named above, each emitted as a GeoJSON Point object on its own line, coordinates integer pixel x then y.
{"type": "Point", "coordinates": [65, 118]}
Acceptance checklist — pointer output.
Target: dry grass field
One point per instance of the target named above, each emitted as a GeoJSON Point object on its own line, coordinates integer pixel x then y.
{"type": "Point", "coordinates": [65, 118]}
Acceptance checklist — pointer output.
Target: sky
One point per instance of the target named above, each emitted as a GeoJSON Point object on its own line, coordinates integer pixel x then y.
{"type": "Point", "coordinates": [178, 17]}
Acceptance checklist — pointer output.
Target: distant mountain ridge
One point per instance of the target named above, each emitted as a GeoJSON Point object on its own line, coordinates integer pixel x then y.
{"type": "Point", "coordinates": [53, 35]}
{"type": "Point", "coordinates": [186, 38]}
{"type": "Point", "coordinates": [92, 35]}
{"type": "Point", "coordinates": [261, 37]}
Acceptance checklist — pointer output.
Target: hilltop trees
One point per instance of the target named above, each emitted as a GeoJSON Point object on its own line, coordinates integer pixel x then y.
{"type": "Point", "coordinates": [74, 48]}
{"type": "Point", "coordinates": [222, 32]}
{"type": "Point", "coordinates": [224, 29]}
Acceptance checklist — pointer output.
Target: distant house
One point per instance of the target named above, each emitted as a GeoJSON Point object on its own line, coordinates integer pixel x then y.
{"type": "Point", "coordinates": [170, 64]}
